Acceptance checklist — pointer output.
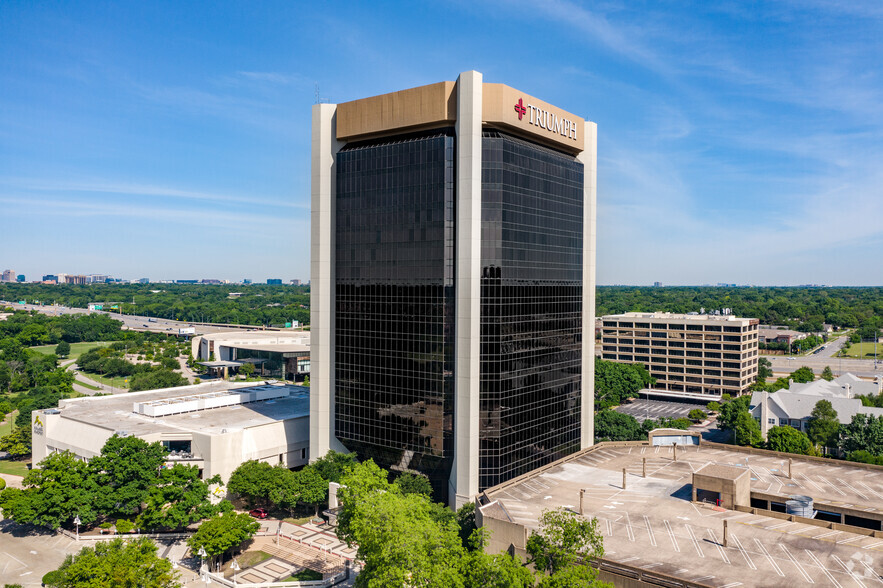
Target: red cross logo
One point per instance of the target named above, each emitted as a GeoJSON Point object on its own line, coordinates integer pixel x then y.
{"type": "Point", "coordinates": [520, 109]}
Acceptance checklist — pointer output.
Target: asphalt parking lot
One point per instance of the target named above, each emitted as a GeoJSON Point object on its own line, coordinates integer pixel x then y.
{"type": "Point", "coordinates": [642, 408]}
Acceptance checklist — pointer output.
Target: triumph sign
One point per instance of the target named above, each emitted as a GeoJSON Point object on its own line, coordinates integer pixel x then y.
{"type": "Point", "coordinates": [546, 120]}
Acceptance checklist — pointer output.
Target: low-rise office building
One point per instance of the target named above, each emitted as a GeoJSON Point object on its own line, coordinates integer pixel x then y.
{"type": "Point", "coordinates": [215, 426]}
{"type": "Point", "coordinates": [276, 354]}
{"type": "Point", "coordinates": [686, 353]}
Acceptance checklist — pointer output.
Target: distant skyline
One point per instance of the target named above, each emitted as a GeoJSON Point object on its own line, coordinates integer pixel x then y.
{"type": "Point", "coordinates": [737, 142]}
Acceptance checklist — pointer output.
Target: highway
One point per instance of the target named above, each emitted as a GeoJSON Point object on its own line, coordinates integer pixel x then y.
{"type": "Point", "coordinates": [865, 368]}
{"type": "Point", "coordinates": [137, 323]}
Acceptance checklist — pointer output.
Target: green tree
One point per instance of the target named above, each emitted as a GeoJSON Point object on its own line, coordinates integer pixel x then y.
{"type": "Point", "coordinates": [126, 470]}
{"type": "Point", "coordinates": [18, 442]}
{"type": "Point", "coordinates": [863, 433]}
{"type": "Point", "coordinates": [178, 499]}
{"type": "Point", "coordinates": [223, 532]}
{"type": "Point", "coordinates": [310, 487]}
{"type": "Point", "coordinates": [616, 382]}
{"type": "Point", "coordinates": [117, 563]}
{"type": "Point", "coordinates": [155, 380]}
{"type": "Point", "coordinates": [564, 540]}
{"type": "Point", "coordinates": [364, 479]}
{"type": "Point", "coordinates": [60, 489]}
{"type": "Point", "coordinates": [246, 369]}
{"type": "Point", "coordinates": [63, 349]}
{"type": "Point", "coordinates": [466, 523]}
{"type": "Point", "coordinates": [252, 481]}
{"type": "Point", "coordinates": [827, 374]}
{"type": "Point", "coordinates": [483, 570]}
{"type": "Point", "coordinates": [402, 544]}
{"type": "Point", "coordinates": [334, 466]}
{"type": "Point", "coordinates": [764, 369]}
{"type": "Point", "coordinates": [823, 426]}
{"type": "Point", "coordinates": [789, 440]}
{"type": "Point", "coordinates": [697, 414]}
{"type": "Point", "coordinates": [746, 431]}
{"type": "Point", "coordinates": [614, 426]}
{"type": "Point", "coordinates": [802, 375]}
{"type": "Point", "coordinates": [411, 482]}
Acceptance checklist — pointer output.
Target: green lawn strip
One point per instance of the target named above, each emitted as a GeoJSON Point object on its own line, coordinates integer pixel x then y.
{"type": "Point", "coordinates": [77, 349]}
{"type": "Point", "coordinates": [117, 382]}
{"type": "Point", "coordinates": [864, 350]}
{"type": "Point", "coordinates": [304, 575]}
{"type": "Point", "coordinates": [7, 425]}
{"type": "Point", "coordinates": [85, 385]}
{"type": "Point", "coordinates": [252, 558]}
{"type": "Point", "coordinates": [15, 468]}
{"type": "Point", "coordinates": [300, 521]}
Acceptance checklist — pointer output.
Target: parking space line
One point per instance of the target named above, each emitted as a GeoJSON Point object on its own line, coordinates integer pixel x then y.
{"type": "Point", "coordinates": [845, 483]}
{"type": "Point", "coordinates": [609, 528]}
{"type": "Point", "coordinates": [823, 568]}
{"type": "Point", "coordinates": [650, 531]}
{"type": "Point", "coordinates": [628, 527]}
{"type": "Point", "coordinates": [828, 482]}
{"type": "Point", "coordinates": [872, 545]}
{"type": "Point", "coordinates": [797, 564]}
{"type": "Point", "coordinates": [695, 541]}
{"type": "Point", "coordinates": [671, 535]}
{"type": "Point", "coordinates": [823, 535]}
{"type": "Point", "coordinates": [873, 573]}
{"type": "Point", "coordinates": [869, 489]}
{"type": "Point", "coordinates": [769, 557]}
{"type": "Point", "coordinates": [848, 571]}
{"type": "Point", "coordinates": [744, 553]}
{"type": "Point", "coordinates": [850, 539]}
{"type": "Point", "coordinates": [628, 559]}
{"type": "Point", "coordinates": [720, 547]}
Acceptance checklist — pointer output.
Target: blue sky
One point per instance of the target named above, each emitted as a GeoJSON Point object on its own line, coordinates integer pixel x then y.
{"type": "Point", "coordinates": [737, 141]}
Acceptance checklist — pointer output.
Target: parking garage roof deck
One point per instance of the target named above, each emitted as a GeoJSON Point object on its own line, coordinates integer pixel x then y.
{"type": "Point", "coordinates": [652, 524]}
{"type": "Point", "coordinates": [116, 412]}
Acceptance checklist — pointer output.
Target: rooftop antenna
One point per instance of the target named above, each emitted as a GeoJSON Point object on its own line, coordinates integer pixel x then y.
{"type": "Point", "coordinates": [319, 98]}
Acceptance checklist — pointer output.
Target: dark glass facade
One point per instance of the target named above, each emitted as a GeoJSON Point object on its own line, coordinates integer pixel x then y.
{"type": "Point", "coordinates": [531, 307]}
{"type": "Point", "coordinates": [394, 332]}
{"type": "Point", "coordinates": [395, 311]}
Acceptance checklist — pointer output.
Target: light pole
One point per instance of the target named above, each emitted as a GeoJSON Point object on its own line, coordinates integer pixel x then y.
{"type": "Point", "coordinates": [77, 523]}
{"type": "Point", "coordinates": [235, 567]}
{"type": "Point", "coordinates": [201, 553]}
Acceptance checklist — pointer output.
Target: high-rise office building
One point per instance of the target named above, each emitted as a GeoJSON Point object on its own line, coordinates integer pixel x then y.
{"type": "Point", "coordinates": [452, 279]}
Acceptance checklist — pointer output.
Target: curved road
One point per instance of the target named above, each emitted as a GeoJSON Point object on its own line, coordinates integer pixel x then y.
{"type": "Point", "coordinates": [866, 368]}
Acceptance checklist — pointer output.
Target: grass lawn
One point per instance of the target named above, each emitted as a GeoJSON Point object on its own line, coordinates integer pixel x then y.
{"type": "Point", "coordinates": [77, 349]}
{"type": "Point", "coordinates": [15, 468]}
{"type": "Point", "coordinates": [6, 426]}
{"type": "Point", "coordinates": [864, 350]}
{"type": "Point", "coordinates": [252, 558]}
{"type": "Point", "coordinates": [300, 521]}
{"type": "Point", "coordinates": [85, 385]}
{"type": "Point", "coordinates": [304, 576]}
{"type": "Point", "coordinates": [117, 382]}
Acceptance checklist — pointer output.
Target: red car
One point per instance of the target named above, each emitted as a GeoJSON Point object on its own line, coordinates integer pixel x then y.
{"type": "Point", "coordinates": [259, 513]}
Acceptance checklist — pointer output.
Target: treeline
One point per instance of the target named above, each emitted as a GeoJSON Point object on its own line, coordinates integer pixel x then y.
{"type": "Point", "coordinates": [803, 309]}
{"type": "Point", "coordinates": [26, 329]}
{"type": "Point", "coordinates": [127, 481]}
{"type": "Point", "coordinates": [108, 361]}
{"type": "Point", "coordinates": [258, 304]}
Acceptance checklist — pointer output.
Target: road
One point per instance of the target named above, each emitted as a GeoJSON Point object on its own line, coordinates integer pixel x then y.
{"type": "Point", "coordinates": [136, 323]}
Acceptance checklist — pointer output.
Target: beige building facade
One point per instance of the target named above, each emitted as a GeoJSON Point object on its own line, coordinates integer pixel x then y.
{"type": "Point", "coordinates": [691, 354]}
{"type": "Point", "coordinates": [213, 426]}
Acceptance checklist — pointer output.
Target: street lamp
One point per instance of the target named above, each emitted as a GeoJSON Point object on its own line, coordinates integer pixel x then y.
{"type": "Point", "coordinates": [201, 553]}
{"type": "Point", "coordinates": [77, 523]}
{"type": "Point", "coordinates": [235, 567]}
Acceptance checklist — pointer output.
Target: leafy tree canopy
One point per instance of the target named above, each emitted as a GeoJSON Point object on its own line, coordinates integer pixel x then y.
{"type": "Point", "coordinates": [789, 440]}
{"type": "Point", "coordinates": [117, 563]}
{"type": "Point", "coordinates": [823, 425]}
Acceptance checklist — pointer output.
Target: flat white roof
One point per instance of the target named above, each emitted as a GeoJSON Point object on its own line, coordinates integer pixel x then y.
{"type": "Point", "coordinates": [670, 316]}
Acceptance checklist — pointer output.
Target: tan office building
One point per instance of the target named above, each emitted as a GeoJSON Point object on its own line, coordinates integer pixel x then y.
{"type": "Point", "coordinates": [687, 354]}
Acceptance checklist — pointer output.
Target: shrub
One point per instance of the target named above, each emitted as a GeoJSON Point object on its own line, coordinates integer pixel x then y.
{"type": "Point", "coordinates": [2, 483]}
{"type": "Point", "coordinates": [124, 526]}
{"type": "Point", "coordinates": [696, 414]}
{"type": "Point", "coordinates": [52, 579]}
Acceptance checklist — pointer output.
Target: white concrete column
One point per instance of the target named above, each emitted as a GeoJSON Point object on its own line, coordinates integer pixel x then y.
{"type": "Point", "coordinates": [464, 474]}
{"type": "Point", "coordinates": [322, 228]}
{"type": "Point", "coordinates": [589, 159]}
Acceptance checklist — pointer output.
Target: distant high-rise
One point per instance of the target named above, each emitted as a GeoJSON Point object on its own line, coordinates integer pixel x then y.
{"type": "Point", "coordinates": [7, 276]}
{"type": "Point", "coordinates": [453, 275]}
{"type": "Point", "coordinates": [274, 281]}
{"type": "Point", "coordinates": [20, 278]}
{"type": "Point", "coordinates": [657, 284]}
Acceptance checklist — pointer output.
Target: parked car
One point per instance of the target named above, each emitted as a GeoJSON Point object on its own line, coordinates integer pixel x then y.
{"type": "Point", "coordinates": [259, 513]}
